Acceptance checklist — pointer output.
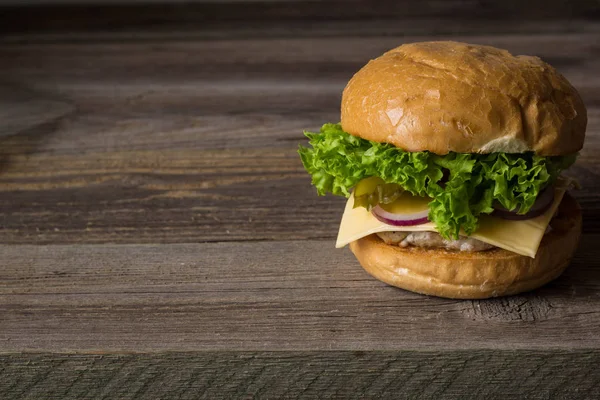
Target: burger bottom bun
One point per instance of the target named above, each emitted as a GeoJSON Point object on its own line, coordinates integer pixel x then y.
{"type": "Point", "coordinates": [474, 275]}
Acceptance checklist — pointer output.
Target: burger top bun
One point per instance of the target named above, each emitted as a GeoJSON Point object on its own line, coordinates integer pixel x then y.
{"type": "Point", "coordinates": [456, 97]}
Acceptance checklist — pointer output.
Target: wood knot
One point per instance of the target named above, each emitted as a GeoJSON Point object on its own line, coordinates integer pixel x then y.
{"type": "Point", "coordinates": [516, 308]}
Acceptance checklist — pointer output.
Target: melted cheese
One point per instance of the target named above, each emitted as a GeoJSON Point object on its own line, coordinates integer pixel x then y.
{"type": "Point", "coordinates": [521, 237]}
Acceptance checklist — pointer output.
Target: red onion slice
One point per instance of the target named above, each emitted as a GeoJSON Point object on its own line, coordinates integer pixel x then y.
{"type": "Point", "coordinates": [541, 205]}
{"type": "Point", "coordinates": [389, 218]}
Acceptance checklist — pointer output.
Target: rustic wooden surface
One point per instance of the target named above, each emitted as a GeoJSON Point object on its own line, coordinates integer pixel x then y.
{"type": "Point", "coordinates": [161, 239]}
{"type": "Point", "coordinates": [22, 109]}
{"type": "Point", "coordinates": [302, 374]}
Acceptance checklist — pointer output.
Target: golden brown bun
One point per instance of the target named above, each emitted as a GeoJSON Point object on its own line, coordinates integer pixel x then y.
{"type": "Point", "coordinates": [477, 275]}
{"type": "Point", "coordinates": [450, 96]}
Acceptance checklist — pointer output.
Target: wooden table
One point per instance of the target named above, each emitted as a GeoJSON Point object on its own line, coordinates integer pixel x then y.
{"type": "Point", "coordinates": [162, 240]}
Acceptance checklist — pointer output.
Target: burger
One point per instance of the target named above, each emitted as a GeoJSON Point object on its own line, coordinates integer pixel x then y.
{"type": "Point", "coordinates": [450, 155]}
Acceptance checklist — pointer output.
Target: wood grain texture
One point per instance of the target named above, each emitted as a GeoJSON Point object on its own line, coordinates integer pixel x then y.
{"type": "Point", "coordinates": [478, 374]}
{"type": "Point", "coordinates": [163, 241]}
{"type": "Point", "coordinates": [22, 109]}
{"type": "Point", "coordinates": [265, 296]}
{"type": "Point", "coordinates": [298, 17]}
{"type": "Point", "coordinates": [185, 141]}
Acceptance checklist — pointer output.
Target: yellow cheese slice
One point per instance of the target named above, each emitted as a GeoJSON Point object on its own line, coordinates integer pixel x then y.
{"type": "Point", "coordinates": [521, 237]}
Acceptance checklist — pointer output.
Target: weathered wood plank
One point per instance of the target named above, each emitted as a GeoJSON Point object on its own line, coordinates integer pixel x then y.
{"type": "Point", "coordinates": [448, 16]}
{"type": "Point", "coordinates": [22, 109]}
{"type": "Point", "coordinates": [451, 28]}
{"type": "Point", "coordinates": [473, 374]}
{"type": "Point", "coordinates": [166, 147]}
{"type": "Point", "coordinates": [266, 296]}
{"type": "Point", "coordinates": [241, 62]}
{"type": "Point", "coordinates": [131, 179]}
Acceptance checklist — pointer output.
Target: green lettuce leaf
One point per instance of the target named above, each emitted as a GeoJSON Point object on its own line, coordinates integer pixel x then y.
{"type": "Point", "coordinates": [463, 186]}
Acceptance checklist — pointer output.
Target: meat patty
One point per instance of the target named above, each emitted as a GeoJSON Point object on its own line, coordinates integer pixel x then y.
{"type": "Point", "coordinates": [433, 240]}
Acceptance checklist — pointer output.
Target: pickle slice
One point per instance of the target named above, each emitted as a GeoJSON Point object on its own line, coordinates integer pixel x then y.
{"type": "Point", "coordinates": [406, 203]}
{"type": "Point", "coordinates": [372, 191]}
{"type": "Point", "coordinates": [367, 186]}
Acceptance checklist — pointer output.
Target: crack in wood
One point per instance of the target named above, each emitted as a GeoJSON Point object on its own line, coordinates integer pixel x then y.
{"type": "Point", "coordinates": [526, 308]}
